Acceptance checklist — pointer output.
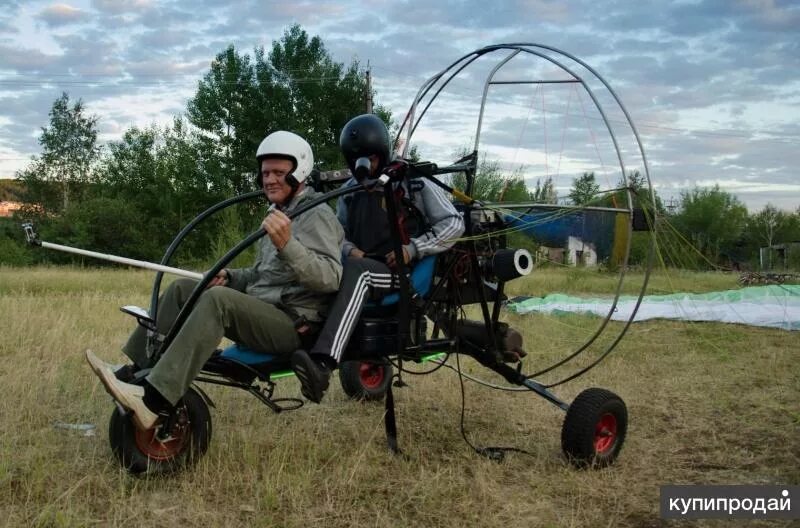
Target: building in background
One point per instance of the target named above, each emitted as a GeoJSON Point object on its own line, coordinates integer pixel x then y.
{"type": "Point", "coordinates": [780, 256]}
{"type": "Point", "coordinates": [8, 208]}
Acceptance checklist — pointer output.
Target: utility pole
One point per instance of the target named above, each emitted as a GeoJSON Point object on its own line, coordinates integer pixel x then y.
{"type": "Point", "coordinates": [369, 90]}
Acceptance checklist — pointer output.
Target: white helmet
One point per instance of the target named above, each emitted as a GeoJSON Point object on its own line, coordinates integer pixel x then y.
{"type": "Point", "coordinates": [287, 145]}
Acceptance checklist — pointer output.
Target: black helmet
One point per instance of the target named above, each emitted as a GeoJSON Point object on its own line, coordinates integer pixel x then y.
{"type": "Point", "coordinates": [364, 136]}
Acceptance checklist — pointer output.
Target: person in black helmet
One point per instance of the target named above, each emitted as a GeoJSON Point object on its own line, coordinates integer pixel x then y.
{"type": "Point", "coordinates": [369, 259]}
{"type": "Point", "coordinates": [269, 307]}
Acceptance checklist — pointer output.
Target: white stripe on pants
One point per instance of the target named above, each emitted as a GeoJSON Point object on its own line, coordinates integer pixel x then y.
{"type": "Point", "coordinates": [361, 276]}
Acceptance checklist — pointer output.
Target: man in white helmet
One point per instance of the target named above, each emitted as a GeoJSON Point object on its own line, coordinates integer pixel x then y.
{"type": "Point", "coordinates": [296, 272]}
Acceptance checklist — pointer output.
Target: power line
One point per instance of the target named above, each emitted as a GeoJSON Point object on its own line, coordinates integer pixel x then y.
{"type": "Point", "coordinates": [108, 74]}
{"type": "Point", "coordinates": [742, 134]}
{"type": "Point", "coordinates": [133, 81]}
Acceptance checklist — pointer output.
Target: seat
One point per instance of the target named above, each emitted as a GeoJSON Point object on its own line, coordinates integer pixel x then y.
{"type": "Point", "coordinates": [377, 332]}
{"type": "Point", "coordinates": [421, 280]}
{"type": "Point", "coordinates": [248, 356]}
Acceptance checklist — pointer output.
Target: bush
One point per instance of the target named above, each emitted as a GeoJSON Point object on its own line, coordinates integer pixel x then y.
{"type": "Point", "coordinates": [14, 253]}
{"type": "Point", "coordinates": [640, 248]}
{"type": "Point", "coordinates": [13, 249]}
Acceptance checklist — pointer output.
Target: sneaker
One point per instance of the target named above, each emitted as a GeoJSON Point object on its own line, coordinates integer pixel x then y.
{"type": "Point", "coordinates": [96, 363]}
{"type": "Point", "coordinates": [129, 396]}
{"type": "Point", "coordinates": [314, 375]}
{"type": "Point", "coordinates": [125, 373]}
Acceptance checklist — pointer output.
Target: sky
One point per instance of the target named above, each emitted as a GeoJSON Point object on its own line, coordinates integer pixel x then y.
{"type": "Point", "coordinates": [712, 87]}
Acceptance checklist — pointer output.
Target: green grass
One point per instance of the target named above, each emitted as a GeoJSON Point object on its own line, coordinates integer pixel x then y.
{"type": "Point", "coordinates": [573, 280]}
{"type": "Point", "coordinates": [708, 404]}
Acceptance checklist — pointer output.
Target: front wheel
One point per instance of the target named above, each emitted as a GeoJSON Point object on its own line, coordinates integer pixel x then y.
{"type": "Point", "coordinates": [365, 380]}
{"type": "Point", "coordinates": [143, 451]}
{"type": "Point", "coordinates": [594, 428]}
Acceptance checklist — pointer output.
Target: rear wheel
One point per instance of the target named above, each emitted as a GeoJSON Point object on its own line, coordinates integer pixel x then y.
{"type": "Point", "coordinates": [365, 380]}
{"type": "Point", "coordinates": [143, 451]}
{"type": "Point", "coordinates": [594, 428]}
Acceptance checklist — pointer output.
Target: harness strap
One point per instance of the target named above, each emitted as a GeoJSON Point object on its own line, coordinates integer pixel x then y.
{"type": "Point", "coordinates": [307, 331]}
{"type": "Point", "coordinates": [400, 195]}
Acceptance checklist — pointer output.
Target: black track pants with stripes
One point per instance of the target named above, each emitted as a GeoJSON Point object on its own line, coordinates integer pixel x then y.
{"type": "Point", "coordinates": [363, 279]}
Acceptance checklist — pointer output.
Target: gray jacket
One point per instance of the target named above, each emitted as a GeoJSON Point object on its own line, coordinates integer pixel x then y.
{"type": "Point", "coordinates": [445, 224]}
{"type": "Point", "coordinates": [306, 272]}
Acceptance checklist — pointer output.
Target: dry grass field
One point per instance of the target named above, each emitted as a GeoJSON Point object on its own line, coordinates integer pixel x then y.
{"type": "Point", "coordinates": [708, 404]}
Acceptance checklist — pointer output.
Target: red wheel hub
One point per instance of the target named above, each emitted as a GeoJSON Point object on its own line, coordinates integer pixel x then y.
{"type": "Point", "coordinates": [371, 375]}
{"type": "Point", "coordinates": [150, 445]}
{"type": "Point", "coordinates": [605, 434]}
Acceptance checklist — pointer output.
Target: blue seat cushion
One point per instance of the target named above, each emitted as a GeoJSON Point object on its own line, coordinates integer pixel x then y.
{"type": "Point", "coordinates": [248, 356]}
{"type": "Point", "coordinates": [421, 280]}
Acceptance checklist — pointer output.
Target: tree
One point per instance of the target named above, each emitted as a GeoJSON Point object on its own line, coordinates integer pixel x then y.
{"type": "Point", "coordinates": [224, 107]}
{"type": "Point", "coordinates": [69, 152]}
{"type": "Point", "coordinates": [295, 86]}
{"type": "Point", "coordinates": [793, 227]}
{"type": "Point", "coordinates": [10, 190]}
{"type": "Point", "coordinates": [545, 192]}
{"type": "Point", "coordinates": [13, 250]}
{"type": "Point", "coordinates": [158, 179]}
{"type": "Point", "coordinates": [322, 94]}
{"type": "Point", "coordinates": [635, 183]}
{"type": "Point", "coordinates": [768, 225]}
{"type": "Point", "coordinates": [162, 174]}
{"type": "Point", "coordinates": [584, 189]}
{"type": "Point", "coordinates": [712, 220]}
{"type": "Point", "coordinates": [491, 184]}
{"type": "Point", "coordinates": [514, 190]}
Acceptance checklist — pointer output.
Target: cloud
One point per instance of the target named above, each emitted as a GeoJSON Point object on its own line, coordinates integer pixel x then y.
{"type": "Point", "coordinates": [7, 26]}
{"type": "Point", "coordinates": [769, 16]}
{"type": "Point", "coordinates": [305, 11]}
{"type": "Point", "coordinates": [681, 160]}
{"type": "Point", "coordinates": [713, 85]}
{"type": "Point", "coordinates": [115, 7]}
{"type": "Point", "coordinates": [175, 15]}
{"type": "Point", "coordinates": [22, 127]}
{"type": "Point", "coordinates": [57, 15]}
{"type": "Point", "coordinates": [166, 40]}
{"type": "Point", "coordinates": [141, 109]}
{"type": "Point", "coordinates": [471, 17]}
{"type": "Point", "coordinates": [166, 71]}
{"type": "Point", "coordinates": [23, 60]}
{"type": "Point", "coordinates": [80, 62]}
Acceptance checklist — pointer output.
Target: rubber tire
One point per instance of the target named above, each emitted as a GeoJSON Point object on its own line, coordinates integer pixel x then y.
{"type": "Point", "coordinates": [354, 385]}
{"type": "Point", "coordinates": [122, 435]}
{"type": "Point", "coordinates": [580, 435]}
